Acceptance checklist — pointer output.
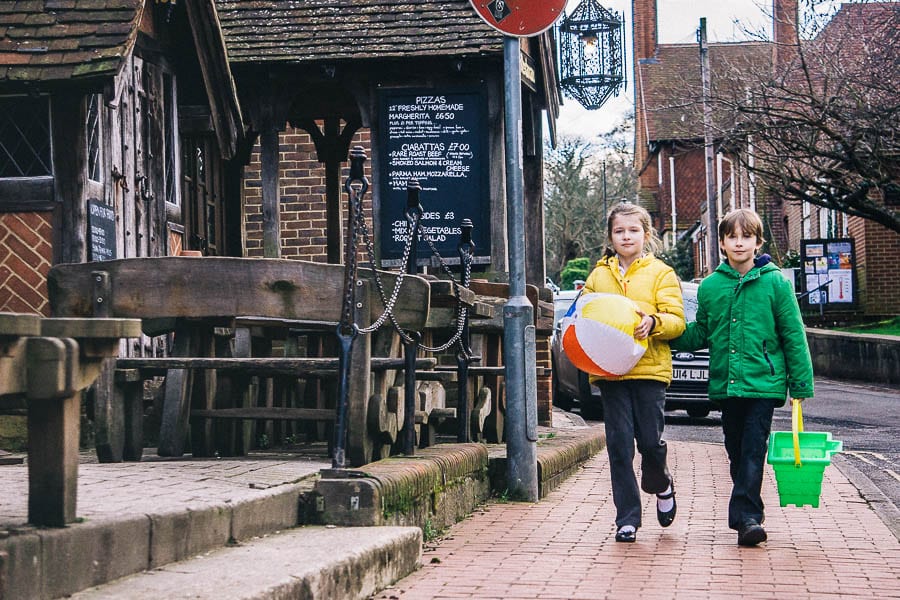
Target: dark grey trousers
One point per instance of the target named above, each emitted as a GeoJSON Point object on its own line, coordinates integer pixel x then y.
{"type": "Point", "coordinates": [746, 423]}
{"type": "Point", "coordinates": [633, 412]}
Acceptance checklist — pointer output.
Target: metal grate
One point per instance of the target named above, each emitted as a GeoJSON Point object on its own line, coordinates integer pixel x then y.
{"type": "Point", "coordinates": [25, 137]}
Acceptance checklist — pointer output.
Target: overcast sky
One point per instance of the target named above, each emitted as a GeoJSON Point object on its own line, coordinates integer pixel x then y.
{"type": "Point", "coordinates": [678, 20]}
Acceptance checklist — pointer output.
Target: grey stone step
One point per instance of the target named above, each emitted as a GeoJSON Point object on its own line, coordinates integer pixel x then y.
{"type": "Point", "coordinates": [331, 563]}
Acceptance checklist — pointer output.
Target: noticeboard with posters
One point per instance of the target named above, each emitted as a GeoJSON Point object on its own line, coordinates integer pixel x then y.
{"type": "Point", "coordinates": [438, 137]}
{"type": "Point", "coordinates": [828, 274]}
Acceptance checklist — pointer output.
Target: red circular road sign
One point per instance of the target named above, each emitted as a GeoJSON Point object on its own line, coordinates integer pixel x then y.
{"type": "Point", "coordinates": [520, 18]}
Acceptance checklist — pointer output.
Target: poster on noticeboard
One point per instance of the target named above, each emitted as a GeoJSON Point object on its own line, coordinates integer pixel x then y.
{"type": "Point", "coordinates": [828, 274]}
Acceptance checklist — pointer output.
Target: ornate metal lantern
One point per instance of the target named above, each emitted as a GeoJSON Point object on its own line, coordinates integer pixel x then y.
{"type": "Point", "coordinates": [592, 57]}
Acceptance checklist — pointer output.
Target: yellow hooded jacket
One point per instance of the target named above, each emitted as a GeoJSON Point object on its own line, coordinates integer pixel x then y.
{"type": "Point", "coordinates": [654, 287]}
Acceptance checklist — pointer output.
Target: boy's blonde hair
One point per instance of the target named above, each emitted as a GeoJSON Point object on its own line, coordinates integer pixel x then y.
{"type": "Point", "coordinates": [653, 243]}
{"type": "Point", "coordinates": [748, 221]}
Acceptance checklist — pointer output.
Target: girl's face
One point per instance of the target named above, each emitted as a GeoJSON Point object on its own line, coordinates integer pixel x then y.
{"type": "Point", "coordinates": [628, 236]}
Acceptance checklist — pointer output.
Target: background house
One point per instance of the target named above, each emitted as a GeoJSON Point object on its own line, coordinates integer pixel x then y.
{"type": "Point", "coordinates": [669, 151]}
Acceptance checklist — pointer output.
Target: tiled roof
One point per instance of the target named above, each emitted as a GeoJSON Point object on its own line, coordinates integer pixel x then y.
{"type": "Point", "coordinates": [859, 31]}
{"type": "Point", "coordinates": [672, 88]}
{"type": "Point", "coordinates": [53, 40]}
{"type": "Point", "coordinates": [308, 30]}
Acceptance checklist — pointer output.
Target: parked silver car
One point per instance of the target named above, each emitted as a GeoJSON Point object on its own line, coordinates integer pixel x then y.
{"type": "Point", "coordinates": [690, 370]}
{"type": "Point", "coordinates": [689, 389]}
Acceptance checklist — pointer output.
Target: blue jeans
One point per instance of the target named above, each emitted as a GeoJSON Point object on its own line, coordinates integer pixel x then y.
{"type": "Point", "coordinates": [746, 423]}
{"type": "Point", "coordinates": [633, 412]}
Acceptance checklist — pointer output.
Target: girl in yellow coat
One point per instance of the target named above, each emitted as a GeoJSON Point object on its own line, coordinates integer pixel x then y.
{"type": "Point", "coordinates": [633, 403]}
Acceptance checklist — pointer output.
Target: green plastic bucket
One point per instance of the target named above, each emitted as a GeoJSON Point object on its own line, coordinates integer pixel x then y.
{"type": "Point", "coordinates": [801, 484]}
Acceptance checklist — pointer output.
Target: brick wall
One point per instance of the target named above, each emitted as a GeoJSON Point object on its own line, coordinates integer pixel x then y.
{"type": "Point", "coordinates": [877, 249]}
{"type": "Point", "coordinates": [303, 216]}
{"type": "Point", "coordinates": [544, 383]}
{"type": "Point", "coordinates": [26, 253]}
{"type": "Point", "coordinates": [644, 44]}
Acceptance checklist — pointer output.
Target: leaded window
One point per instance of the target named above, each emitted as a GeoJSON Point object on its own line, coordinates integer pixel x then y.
{"type": "Point", "coordinates": [25, 137]}
{"type": "Point", "coordinates": [93, 138]}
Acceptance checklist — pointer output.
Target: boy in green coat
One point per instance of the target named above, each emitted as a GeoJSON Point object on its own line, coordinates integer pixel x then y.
{"type": "Point", "coordinates": [749, 319]}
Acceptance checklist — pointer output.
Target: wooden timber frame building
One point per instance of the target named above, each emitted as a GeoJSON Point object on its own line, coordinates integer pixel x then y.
{"type": "Point", "coordinates": [324, 73]}
{"type": "Point", "coordinates": [117, 122]}
{"type": "Point", "coordinates": [122, 135]}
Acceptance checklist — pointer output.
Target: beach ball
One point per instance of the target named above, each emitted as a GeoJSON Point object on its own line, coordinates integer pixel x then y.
{"type": "Point", "coordinates": [598, 334]}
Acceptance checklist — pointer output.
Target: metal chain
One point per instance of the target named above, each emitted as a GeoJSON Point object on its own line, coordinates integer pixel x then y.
{"type": "Point", "coordinates": [359, 226]}
{"type": "Point", "coordinates": [395, 294]}
{"type": "Point", "coordinates": [461, 313]}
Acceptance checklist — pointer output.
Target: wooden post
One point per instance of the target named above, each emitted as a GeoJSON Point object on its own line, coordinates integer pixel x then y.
{"type": "Point", "coordinates": [53, 429]}
{"type": "Point", "coordinates": [271, 192]}
{"type": "Point", "coordinates": [54, 424]}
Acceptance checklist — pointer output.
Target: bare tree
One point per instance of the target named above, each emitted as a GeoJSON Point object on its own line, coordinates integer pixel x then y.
{"type": "Point", "coordinates": [568, 210]}
{"type": "Point", "coordinates": [823, 126]}
{"type": "Point", "coordinates": [579, 176]}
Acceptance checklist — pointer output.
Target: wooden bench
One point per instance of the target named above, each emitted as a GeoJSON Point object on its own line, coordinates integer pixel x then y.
{"type": "Point", "coordinates": [45, 364]}
{"type": "Point", "coordinates": [247, 303]}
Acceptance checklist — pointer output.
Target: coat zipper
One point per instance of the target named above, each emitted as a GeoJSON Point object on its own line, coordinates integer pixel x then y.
{"type": "Point", "coordinates": [768, 360]}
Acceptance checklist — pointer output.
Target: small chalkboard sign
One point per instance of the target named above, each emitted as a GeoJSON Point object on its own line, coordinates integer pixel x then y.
{"type": "Point", "coordinates": [101, 230]}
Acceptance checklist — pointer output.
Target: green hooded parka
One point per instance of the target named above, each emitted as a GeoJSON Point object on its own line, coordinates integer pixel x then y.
{"type": "Point", "coordinates": [754, 332]}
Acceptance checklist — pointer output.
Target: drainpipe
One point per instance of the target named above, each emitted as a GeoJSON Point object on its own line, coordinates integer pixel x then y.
{"type": "Point", "coordinates": [672, 194]}
{"type": "Point", "coordinates": [719, 206]}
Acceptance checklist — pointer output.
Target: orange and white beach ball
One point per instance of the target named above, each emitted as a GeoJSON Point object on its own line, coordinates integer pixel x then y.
{"type": "Point", "coordinates": [598, 335]}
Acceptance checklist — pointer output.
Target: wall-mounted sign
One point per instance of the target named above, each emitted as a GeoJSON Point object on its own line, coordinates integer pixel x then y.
{"type": "Point", "coordinates": [438, 137]}
{"type": "Point", "coordinates": [827, 273]}
{"type": "Point", "coordinates": [101, 230]}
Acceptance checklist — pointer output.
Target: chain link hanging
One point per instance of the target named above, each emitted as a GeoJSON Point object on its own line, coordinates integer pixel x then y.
{"type": "Point", "coordinates": [359, 227]}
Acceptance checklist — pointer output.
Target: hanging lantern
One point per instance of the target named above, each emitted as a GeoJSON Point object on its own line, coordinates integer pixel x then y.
{"type": "Point", "coordinates": [592, 57]}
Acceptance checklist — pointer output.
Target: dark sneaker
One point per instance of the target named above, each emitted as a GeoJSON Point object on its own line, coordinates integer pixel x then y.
{"type": "Point", "coordinates": [751, 533]}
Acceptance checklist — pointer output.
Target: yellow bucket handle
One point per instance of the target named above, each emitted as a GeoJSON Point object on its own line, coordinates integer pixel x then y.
{"type": "Point", "coordinates": [796, 428]}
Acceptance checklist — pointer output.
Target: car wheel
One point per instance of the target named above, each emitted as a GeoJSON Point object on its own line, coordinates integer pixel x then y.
{"type": "Point", "coordinates": [697, 413]}
{"type": "Point", "coordinates": [591, 406]}
{"type": "Point", "coordinates": [559, 398]}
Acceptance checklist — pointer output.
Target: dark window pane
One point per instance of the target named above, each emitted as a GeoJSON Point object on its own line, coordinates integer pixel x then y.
{"type": "Point", "coordinates": [24, 137]}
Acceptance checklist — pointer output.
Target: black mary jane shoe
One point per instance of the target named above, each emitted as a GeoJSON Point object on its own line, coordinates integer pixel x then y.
{"type": "Point", "coordinates": [665, 518]}
{"type": "Point", "coordinates": [626, 535]}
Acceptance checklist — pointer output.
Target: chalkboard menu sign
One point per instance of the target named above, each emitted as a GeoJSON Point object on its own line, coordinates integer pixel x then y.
{"type": "Point", "coordinates": [101, 230]}
{"type": "Point", "coordinates": [439, 138]}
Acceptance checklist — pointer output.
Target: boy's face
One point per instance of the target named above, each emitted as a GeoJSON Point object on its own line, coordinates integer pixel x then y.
{"type": "Point", "coordinates": [740, 248]}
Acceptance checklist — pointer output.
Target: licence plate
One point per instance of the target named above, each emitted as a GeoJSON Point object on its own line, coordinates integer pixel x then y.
{"type": "Point", "coordinates": [690, 374]}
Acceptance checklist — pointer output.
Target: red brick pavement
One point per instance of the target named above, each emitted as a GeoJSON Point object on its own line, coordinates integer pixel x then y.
{"type": "Point", "coordinates": [563, 547]}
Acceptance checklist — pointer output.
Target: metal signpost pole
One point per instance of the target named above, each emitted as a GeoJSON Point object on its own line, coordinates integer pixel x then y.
{"type": "Point", "coordinates": [518, 313]}
{"type": "Point", "coordinates": [516, 19]}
